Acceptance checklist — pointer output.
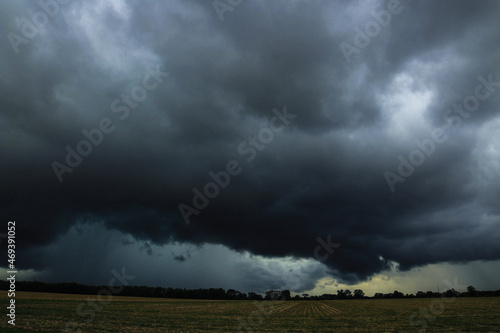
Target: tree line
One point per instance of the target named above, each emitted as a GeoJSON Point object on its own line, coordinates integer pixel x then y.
{"type": "Point", "coordinates": [359, 294]}
{"type": "Point", "coordinates": [231, 294]}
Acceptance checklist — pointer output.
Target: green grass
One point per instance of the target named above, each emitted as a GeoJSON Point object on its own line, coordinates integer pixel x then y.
{"type": "Point", "coordinates": [39, 312]}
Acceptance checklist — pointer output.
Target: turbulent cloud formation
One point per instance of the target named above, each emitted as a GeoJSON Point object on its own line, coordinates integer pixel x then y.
{"type": "Point", "coordinates": [391, 145]}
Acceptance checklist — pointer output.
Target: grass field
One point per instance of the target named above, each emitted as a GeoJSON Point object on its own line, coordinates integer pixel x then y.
{"type": "Point", "coordinates": [40, 312]}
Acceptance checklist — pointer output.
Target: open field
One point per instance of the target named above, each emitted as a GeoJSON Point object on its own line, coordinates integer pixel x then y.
{"type": "Point", "coordinates": [40, 312]}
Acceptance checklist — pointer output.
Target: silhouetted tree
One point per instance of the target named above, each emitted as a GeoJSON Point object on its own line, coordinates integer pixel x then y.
{"type": "Point", "coordinates": [234, 294]}
{"type": "Point", "coordinates": [274, 295]}
{"type": "Point", "coordinates": [358, 293]}
{"type": "Point", "coordinates": [471, 291]}
{"type": "Point", "coordinates": [451, 293]}
{"type": "Point", "coordinates": [254, 296]}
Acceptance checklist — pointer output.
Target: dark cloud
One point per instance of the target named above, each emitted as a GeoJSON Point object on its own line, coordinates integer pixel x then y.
{"type": "Point", "coordinates": [322, 175]}
{"type": "Point", "coordinates": [147, 248]}
{"type": "Point", "coordinates": [182, 256]}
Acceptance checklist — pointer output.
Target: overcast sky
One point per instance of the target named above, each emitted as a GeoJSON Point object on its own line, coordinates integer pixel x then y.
{"type": "Point", "coordinates": [302, 145]}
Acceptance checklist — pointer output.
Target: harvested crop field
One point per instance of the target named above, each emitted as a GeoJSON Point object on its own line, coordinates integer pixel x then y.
{"type": "Point", "coordinates": [42, 312]}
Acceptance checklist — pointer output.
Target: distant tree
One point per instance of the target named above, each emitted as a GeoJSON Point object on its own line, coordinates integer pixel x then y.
{"type": "Point", "coordinates": [328, 296]}
{"type": "Point", "coordinates": [274, 295]}
{"type": "Point", "coordinates": [234, 294]}
{"type": "Point", "coordinates": [343, 294]}
{"type": "Point", "coordinates": [451, 293]}
{"type": "Point", "coordinates": [471, 291]}
{"type": "Point", "coordinates": [254, 296]}
{"type": "Point", "coordinates": [358, 293]}
{"type": "Point", "coordinates": [285, 295]}
{"type": "Point", "coordinates": [230, 291]}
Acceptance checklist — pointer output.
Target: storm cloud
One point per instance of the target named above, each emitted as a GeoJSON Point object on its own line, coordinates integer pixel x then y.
{"type": "Point", "coordinates": [184, 93]}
